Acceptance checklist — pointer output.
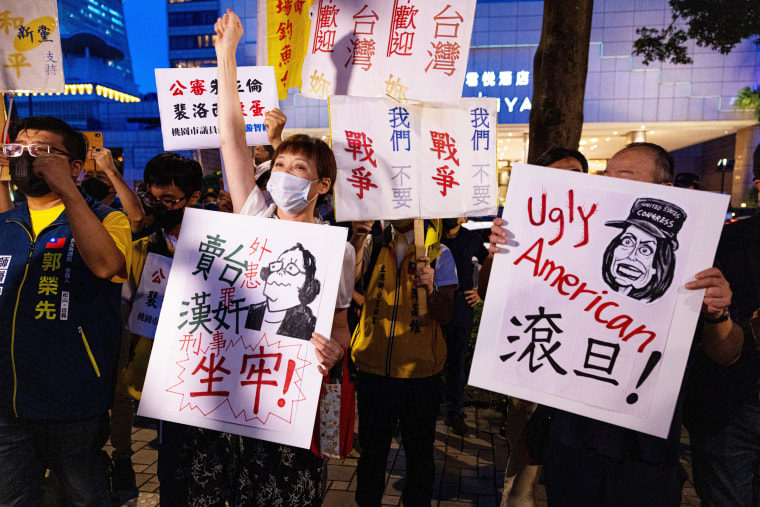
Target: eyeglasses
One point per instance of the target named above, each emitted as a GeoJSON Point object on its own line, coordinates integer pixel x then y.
{"type": "Point", "coordinates": [291, 268]}
{"type": "Point", "coordinates": [15, 150]}
{"type": "Point", "coordinates": [151, 202]}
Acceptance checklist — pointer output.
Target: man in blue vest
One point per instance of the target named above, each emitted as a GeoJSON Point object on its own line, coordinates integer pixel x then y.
{"type": "Point", "coordinates": [63, 257]}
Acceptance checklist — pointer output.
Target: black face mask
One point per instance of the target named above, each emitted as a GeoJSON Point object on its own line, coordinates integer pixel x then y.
{"type": "Point", "coordinates": [449, 223]}
{"type": "Point", "coordinates": [168, 219]}
{"type": "Point", "coordinates": [96, 188]}
{"type": "Point", "coordinates": [24, 178]}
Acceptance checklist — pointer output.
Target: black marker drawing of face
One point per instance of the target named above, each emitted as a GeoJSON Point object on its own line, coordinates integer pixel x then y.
{"type": "Point", "coordinates": [633, 258]}
{"type": "Point", "coordinates": [640, 261]}
{"type": "Point", "coordinates": [285, 280]}
{"type": "Point", "coordinates": [290, 286]}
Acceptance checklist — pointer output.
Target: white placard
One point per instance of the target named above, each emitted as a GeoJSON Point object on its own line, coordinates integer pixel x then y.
{"type": "Point", "coordinates": [402, 48]}
{"type": "Point", "coordinates": [225, 356]}
{"type": "Point", "coordinates": [30, 47]}
{"type": "Point", "coordinates": [146, 307]}
{"type": "Point", "coordinates": [413, 161]}
{"type": "Point", "coordinates": [580, 303]}
{"type": "Point", "coordinates": [187, 102]}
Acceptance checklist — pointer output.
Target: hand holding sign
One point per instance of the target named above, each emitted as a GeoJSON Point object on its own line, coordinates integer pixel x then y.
{"type": "Point", "coordinates": [498, 236]}
{"type": "Point", "coordinates": [328, 351]}
{"type": "Point", "coordinates": [717, 291]}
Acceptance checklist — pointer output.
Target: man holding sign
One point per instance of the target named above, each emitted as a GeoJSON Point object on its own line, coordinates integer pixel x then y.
{"type": "Point", "coordinates": [604, 464]}
{"type": "Point", "coordinates": [399, 359]}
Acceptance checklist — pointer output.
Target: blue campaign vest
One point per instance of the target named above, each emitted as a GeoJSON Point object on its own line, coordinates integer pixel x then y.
{"type": "Point", "coordinates": [60, 327]}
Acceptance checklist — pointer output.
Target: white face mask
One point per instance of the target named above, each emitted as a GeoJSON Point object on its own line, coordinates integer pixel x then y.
{"type": "Point", "coordinates": [290, 193]}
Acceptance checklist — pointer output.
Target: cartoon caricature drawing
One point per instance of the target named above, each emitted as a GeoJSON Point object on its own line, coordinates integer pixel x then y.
{"type": "Point", "coordinates": [289, 288]}
{"type": "Point", "coordinates": [640, 261]}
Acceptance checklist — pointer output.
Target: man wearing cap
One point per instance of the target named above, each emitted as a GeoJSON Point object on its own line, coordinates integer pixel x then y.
{"type": "Point", "coordinates": [591, 463]}
{"type": "Point", "coordinates": [639, 262]}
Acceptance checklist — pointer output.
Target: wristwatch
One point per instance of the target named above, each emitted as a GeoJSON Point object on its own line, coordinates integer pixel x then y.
{"type": "Point", "coordinates": [722, 318]}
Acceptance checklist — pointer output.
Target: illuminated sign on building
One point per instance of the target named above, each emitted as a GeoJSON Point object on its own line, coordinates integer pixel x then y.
{"type": "Point", "coordinates": [505, 73]}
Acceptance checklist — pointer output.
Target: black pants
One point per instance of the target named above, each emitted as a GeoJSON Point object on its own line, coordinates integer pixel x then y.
{"type": "Point", "coordinates": [584, 477]}
{"type": "Point", "coordinates": [414, 403]}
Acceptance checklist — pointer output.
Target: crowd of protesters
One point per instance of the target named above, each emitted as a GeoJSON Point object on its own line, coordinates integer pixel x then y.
{"type": "Point", "coordinates": [73, 247]}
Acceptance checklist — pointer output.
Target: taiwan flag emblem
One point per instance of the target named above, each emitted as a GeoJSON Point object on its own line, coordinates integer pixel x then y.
{"type": "Point", "coordinates": [55, 243]}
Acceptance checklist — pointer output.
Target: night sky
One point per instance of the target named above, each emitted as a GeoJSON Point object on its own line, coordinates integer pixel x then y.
{"type": "Point", "coordinates": [148, 41]}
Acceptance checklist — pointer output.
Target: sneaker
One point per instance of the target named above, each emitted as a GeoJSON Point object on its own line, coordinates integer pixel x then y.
{"type": "Point", "coordinates": [455, 420]}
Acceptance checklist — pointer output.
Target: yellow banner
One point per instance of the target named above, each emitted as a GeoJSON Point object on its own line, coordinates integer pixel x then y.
{"type": "Point", "coordinates": [433, 233]}
{"type": "Point", "coordinates": [287, 41]}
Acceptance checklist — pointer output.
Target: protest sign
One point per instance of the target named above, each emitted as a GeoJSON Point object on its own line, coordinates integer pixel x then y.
{"type": "Point", "coordinates": [187, 105]}
{"type": "Point", "coordinates": [406, 49]}
{"type": "Point", "coordinates": [282, 30]}
{"type": "Point", "coordinates": [231, 351]}
{"type": "Point", "coordinates": [586, 308]}
{"type": "Point", "coordinates": [30, 51]}
{"type": "Point", "coordinates": [146, 305]}
{"type": "Point", "coordinates": [413, 160]}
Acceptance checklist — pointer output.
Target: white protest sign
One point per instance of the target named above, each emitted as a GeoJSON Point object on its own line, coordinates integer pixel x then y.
{"type": "Point", "coordinates": [146, 307]}
{"type": "Point", "coordinates": [30, 51]}
{"type": "Point", "coordinates": [231, 352]}
{"type": "Point", "coordinates": [586, 308]}
{"type": "Point", "coordinates": [413, 161]}
{"type": "Point", "coordinates": [405, 49]}
{"type": "Point", "coordinates": [187, 105]}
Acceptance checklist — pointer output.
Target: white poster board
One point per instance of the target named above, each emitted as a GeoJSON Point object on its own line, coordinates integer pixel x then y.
{"type": "Point", "coordinates": [146, 307]}
{"type": "Point", "coordinates": [586, 308]}
{"type": "Point", "coordinates": [400, 161]}
{"type": "Point", "coordinates": [401, 48]}
{"type": "Point", "coordinates": [220, 359]}
{"type": "Point", "coordinates": [188, 108]}
{"type": "Point", "coordinates": [30, 47]}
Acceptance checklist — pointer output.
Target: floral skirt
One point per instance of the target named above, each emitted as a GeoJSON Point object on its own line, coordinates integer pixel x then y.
{"type": "Point", "coordinates": [220, 468]}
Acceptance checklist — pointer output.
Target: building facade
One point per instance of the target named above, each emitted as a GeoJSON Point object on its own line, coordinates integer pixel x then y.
{"type": "Point", "coordinates": [688, 109]}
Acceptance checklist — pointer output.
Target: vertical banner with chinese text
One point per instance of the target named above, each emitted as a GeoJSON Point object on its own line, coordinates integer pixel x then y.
{"type": "Point", "coordinates": [188, 110]}
{"type": "Point", "coordinates": [413, 160]}
{"type": "Point", "coordinates": [30, 51]}
{"type": "Point", "coordinates": [231, 351]}
{"type": "Point", "coordinates": [405, 49]}
{"type": "Point", "coordinates": [283, 31]}
{"type": "Point", "coordinates": [586, 308]}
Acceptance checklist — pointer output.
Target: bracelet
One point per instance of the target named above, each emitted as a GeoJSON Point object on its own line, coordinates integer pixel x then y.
{"type": "Point", "coordinates": [723, 317]}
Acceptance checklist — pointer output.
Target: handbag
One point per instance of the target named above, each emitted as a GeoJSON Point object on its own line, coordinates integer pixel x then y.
{"type": "Point", "coordinates": [333, 435]}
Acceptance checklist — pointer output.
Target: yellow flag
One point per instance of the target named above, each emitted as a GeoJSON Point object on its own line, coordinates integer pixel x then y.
{"type": "Point", "coordinates": [433, 233]}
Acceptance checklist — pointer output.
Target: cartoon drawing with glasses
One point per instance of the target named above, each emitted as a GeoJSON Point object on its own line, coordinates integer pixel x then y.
{"type": "Point", "coordinates": [289, 288]}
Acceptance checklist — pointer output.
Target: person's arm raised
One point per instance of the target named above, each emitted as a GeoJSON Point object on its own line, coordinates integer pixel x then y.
{"type": "Point", "coordinates": [132, 205]}
{"type": "Point", "coordinates": [94, 243]}
{"type": "Point", "coordinates": [238, 163]}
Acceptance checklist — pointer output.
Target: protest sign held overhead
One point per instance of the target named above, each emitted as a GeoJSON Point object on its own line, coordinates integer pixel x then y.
{"type": "Point", "coordinates": [413, 160]}
{"type": "Point", "coordinates": [405, 49]}
{"type": "Point", "coordinates": [231, 351]}
{"type": "Point", "coordinates": [586, 308]}
{"type": "Point", "coordinates": [31, 47]}
{"type": "Point", "coordinates": [283, 30]}
{"type": "Point", "coordinates": [187, 101]}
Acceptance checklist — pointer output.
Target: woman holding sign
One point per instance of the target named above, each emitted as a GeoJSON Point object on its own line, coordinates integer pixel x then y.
{"type": "Point", "coordinates": [224, 468]}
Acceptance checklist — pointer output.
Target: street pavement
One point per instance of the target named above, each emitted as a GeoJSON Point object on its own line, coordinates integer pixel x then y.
{"type": "Point", "coordinates": [469, 469]}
